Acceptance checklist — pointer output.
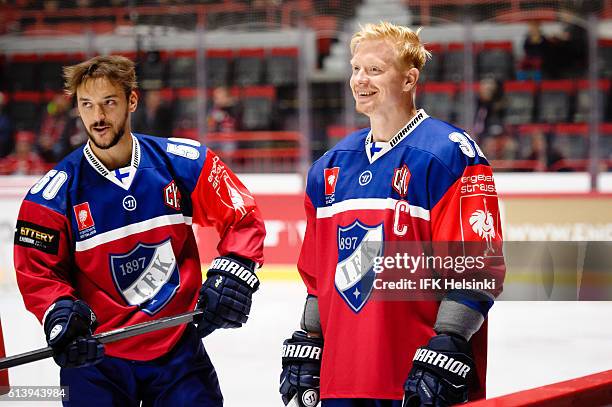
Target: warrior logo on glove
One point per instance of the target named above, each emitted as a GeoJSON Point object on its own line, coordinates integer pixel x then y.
{"type": "Point", "coordinates": [226, 294]}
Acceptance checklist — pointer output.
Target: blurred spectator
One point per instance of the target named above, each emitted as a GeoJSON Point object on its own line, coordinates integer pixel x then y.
{"type": "Point", "coordinates": [489, 107]}
{"type": "Point", "coordinates": [574, 45]}
{"type": "Point", "coordinates": [536, 47]}
{"type": "Point", "coordinates": [6, 129]}
{"type": "Point", "coordinates": [224, 115]}
{"type": "Point", "coordinates": [156, 118]}
{"type": "Point", "coordinates": [57, 125]}
{"type": "Point", "coordinates": [24, 161]}
{"type": "Point", "coordinates": [568, 50]}
{"type": "Point", "coordinates": [500, 144]}
{"type": "Point", "coordinates": [79, 137]}
{"type": "Point", "coordinates": [542, 151]}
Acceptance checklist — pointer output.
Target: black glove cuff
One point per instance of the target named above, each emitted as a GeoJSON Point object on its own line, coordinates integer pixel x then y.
{"type": "Point", "coordinates": [234, 269]}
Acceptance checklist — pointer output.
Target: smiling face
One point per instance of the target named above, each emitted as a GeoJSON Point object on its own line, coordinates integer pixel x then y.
{"type": "Point", "coordinates": [377, 82]}
{"type": "Point", "coordinates": [105, 111]}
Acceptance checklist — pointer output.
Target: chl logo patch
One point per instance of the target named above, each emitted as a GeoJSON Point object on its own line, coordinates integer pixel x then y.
{"type": "Point", "coordinates": [401, 178]}
{"type": "Point", "coordinates": [358, 245]}
{"type": "Point", "coordinates": [83, 216]}
{"type": "Point", "coordinates": [146, 276]}
{"type": "Point", "coordinates": [172, 196]}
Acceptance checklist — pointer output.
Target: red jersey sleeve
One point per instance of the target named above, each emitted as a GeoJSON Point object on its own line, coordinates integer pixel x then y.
{"type": "Point", "coordinates": [42, 257]}
{"type": "Point", "coordinates": [221, 200]}
{"type": "Point", "coordinates": [308, 254]}
{"type": "Point", "coordinates": [4, 380]}
{"type": "Point", "coordinates": [469, 212]}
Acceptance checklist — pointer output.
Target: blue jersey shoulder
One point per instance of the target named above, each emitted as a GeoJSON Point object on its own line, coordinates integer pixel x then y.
{"type": "Point", "coordinates": [51, 191]}
{"type": "Point", "coordinates": [185, 157]}
{"type": "Point", "coordinates": [450, 145]}
{"type": "Point", "coordinates": [351, 144]}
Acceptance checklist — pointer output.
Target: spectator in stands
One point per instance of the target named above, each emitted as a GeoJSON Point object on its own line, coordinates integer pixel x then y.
{"type": "Point", "coordinates": [24, 161]}
{"type": "Point", "coordinates": [536, 47]}
{"type": "Point", "coordinates": [543, 152]}
{"type": "Point", "coordinates": [489, 107]}
{"type": "Point", "coordinates": [224, 117]}
{"type": "Point", "coordinates": [567, 53]}
{"type": "Point", "coordinates": [572, 46]}
{"type": "Point", "coordinates": [500, 144]}
{"type": "Point", "coordinates": [156, 118]}
{"type": "Point", "coordinates": [6, 129]}
{"type": "Point", "coordinates": [57, 125]}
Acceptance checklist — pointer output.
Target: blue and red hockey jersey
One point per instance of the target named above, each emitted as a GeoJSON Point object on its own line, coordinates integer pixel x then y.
{"type": "Point", "coordinates": [425, 184]}
{"type": "Point", "coordinates": [122, 240]}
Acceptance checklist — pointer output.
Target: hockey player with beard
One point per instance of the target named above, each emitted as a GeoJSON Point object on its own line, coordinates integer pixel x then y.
{"type": "Point", "coordinates": [409, 177]}
{"type": "Point", "coordinates": [105, 240]}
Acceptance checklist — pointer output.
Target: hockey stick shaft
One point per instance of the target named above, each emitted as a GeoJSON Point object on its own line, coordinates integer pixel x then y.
{"type": "Point", "coordinates": [104, 337]}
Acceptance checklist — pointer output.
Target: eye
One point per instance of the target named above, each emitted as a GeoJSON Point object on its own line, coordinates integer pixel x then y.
{"type": "Point", "coordinates": [355, 69]}
{"type": "Point", "coordinates": [86, 104]}
{"type": "Point", "coordinates": [375, 69]}
{"type": "Point", "coordinates": [111, 102]}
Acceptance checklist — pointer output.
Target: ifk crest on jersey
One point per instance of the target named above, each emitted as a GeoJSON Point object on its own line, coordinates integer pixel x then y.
{"type": "Point", "coordinates": [358, 245]}
{"type": "Point", "coordinates": [147, 276]}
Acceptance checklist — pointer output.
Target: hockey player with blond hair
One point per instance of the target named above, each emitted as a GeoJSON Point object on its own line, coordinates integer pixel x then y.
{"type": "Point", "coordinates": [405, 178]}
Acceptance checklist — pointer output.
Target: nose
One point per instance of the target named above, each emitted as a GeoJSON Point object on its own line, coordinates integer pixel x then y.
{"type": "Point", "coordinates": [360, 76]}
{"type": "Point", "coordinates": [99, 113]}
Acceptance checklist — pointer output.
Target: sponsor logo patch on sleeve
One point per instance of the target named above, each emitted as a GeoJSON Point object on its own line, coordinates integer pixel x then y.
{"type": "Point", "coordinates": [37, 237]}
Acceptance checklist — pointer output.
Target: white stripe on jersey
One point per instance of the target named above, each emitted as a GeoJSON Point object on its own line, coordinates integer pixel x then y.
{"type": "Point", "coordinates": [368, 203]}
{"type": "Point", "coordinates": [145, 225]}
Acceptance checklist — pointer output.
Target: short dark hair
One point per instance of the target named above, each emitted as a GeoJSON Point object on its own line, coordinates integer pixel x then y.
{"type": "Point", "coordinates": [116, 68]}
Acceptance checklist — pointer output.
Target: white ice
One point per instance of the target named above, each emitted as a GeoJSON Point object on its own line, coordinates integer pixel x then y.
{"type": "Point", "coordinates": [530, 344]}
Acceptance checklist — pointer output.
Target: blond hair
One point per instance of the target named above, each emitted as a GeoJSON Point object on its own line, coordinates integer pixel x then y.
{"type": "Point", "coordinates": [117, 69]}
{"type": "Point", "coordinates": [408, 47]}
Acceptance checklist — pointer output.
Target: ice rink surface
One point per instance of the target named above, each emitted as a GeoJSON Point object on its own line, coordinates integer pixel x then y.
{"type": "Point", "coordinates": [530, 344]}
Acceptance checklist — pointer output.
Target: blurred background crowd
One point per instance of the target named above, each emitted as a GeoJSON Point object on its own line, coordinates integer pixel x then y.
{"type": "Point", "coordinates": [264, 82]}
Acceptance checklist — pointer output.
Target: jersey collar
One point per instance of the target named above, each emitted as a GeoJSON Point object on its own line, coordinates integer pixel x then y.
{"type": "Point", "coordinates": [121, 177]}
{"type": "Point", "coordinates": [376, 149]}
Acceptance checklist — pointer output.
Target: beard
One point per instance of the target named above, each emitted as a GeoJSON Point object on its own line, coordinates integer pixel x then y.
{"type": "Point", "coordinates": [116, 135]}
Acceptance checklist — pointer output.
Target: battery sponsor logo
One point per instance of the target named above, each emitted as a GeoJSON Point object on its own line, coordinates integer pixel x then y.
{"type": "Point", "coordinates": [37, 237]}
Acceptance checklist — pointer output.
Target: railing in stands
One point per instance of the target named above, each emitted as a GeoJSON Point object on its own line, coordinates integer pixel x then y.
{"type": "Point", "coordinates": [256, 151]}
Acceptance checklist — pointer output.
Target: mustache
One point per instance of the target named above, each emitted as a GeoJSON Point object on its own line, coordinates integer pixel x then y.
{"type": "Point", "coordinates": [100, 124]}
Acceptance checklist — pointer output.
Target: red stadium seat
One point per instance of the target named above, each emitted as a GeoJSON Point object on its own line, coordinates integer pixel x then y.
{"type": "Point", "coordinates": [258, 107]}
{"type": "Point", "coordinates": [520, 102]}
{"type": "Point", "coordinates": [249, 67]}
{"type": "Point", "coordinates": [438, 99]}
{"type": "Point", "coordinates": [281, 66]}
{"type": "Point", "coordinates": [555, 99]}
{"type": "Point", "coordinates": [218, 67]}
{"type": "Point", "coordinates": [182, 69]}
{"type": "Point", "coordinates": [495, 60]}
{"type": "Point", "coordinates": [584, 102]}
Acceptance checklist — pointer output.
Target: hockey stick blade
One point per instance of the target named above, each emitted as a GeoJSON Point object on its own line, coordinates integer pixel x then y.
{"type": "Point", "coordinates": [104, 337]}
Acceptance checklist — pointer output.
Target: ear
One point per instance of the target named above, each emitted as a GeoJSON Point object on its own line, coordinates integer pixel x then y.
{"type": "Point", "coordinates": [133, 101]}
{"type": "Point", "coordinates": [411, 77]}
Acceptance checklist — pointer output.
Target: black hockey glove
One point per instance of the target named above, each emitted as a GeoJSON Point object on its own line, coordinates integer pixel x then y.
{"type": "Point", "coordinates": [68, 327]}
{"type": "Point", "coordinates": [440, 374]}
{"type": "Point", "coordinates": [301, 369]}
{"type": "Point", "coordinates": [226, 294]}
